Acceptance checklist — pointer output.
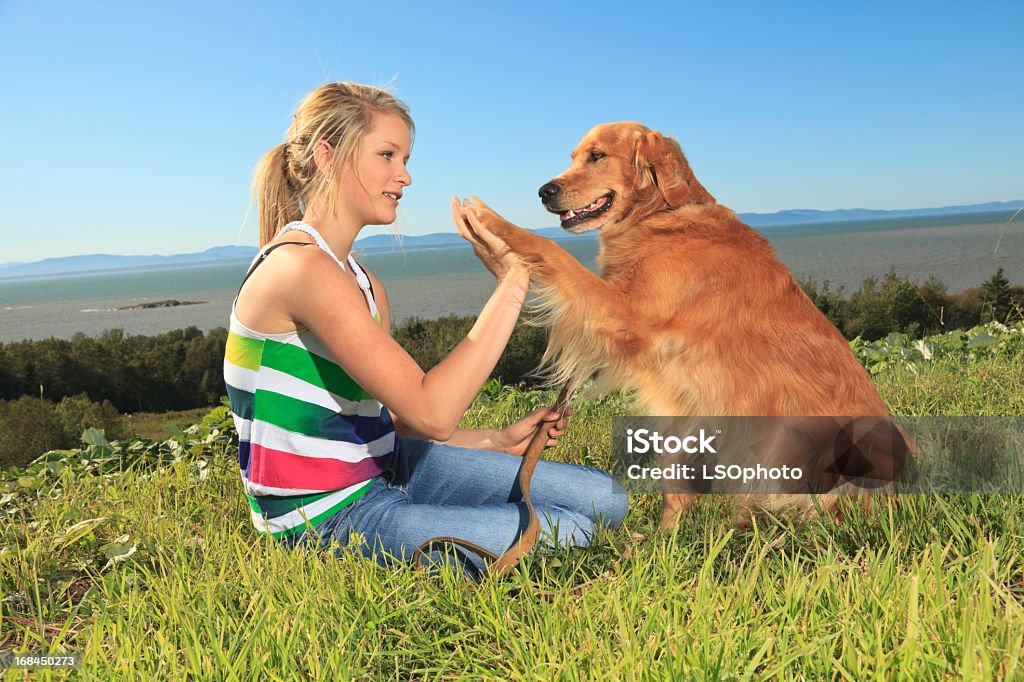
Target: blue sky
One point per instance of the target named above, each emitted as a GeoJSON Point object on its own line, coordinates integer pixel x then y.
{"type": "Point", "coordinates": [133, 128]}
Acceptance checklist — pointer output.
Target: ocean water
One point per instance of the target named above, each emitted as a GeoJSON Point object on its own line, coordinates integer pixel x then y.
{"type": "Point", "coordinates": [959, 250]}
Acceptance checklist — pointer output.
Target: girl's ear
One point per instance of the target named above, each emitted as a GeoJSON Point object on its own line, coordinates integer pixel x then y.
{"type": "Point", "coordinates": [323, 154]}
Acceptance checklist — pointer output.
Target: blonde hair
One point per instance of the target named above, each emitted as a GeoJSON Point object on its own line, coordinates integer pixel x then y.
{"type": "Point", "coordinates": [286, 179]}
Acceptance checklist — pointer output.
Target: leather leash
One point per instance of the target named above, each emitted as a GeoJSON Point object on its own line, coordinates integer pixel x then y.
{"type": "Point", "coordinates": [500, 565]}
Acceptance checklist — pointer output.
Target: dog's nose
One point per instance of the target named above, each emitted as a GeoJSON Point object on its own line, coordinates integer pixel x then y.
{"type": "Point", "coordinates": [549, 192]}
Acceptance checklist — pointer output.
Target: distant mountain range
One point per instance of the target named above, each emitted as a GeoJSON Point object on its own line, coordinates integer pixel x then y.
{"type": "Point", "coordinates": [802, 216]}
{"type": "Point", "coordinates": [105, 261]}
{"type": "Point", "coordinates": [387, 242]}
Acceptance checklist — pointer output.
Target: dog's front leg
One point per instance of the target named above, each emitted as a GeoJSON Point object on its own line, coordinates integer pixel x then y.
{"type": "Point", "coordinates": [591, 297]}
{"type": "Point", "coordinates": [592, 327]}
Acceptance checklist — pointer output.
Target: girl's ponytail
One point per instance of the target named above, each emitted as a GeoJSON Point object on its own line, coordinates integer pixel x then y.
{"type": "Point", "coordinates": [277, 197]}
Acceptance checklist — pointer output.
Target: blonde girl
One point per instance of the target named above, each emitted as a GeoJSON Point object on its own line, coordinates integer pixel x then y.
{"type": "Point", "coordinates": [342, 435]}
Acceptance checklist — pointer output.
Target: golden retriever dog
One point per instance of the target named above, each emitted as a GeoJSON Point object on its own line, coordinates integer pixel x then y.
{"type": "Point", "coordinates": [695, 315]}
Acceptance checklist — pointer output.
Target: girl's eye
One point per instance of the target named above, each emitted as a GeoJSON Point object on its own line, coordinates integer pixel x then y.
{"type": "Point", "coordinates": [387, 155]}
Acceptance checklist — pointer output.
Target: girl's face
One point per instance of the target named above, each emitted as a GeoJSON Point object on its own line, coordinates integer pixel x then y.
{"type": "Point", "coordinates": [372, 185]}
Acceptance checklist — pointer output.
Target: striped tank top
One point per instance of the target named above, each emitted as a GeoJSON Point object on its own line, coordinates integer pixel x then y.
{"type": "Point", "coordinates": [310, 439]}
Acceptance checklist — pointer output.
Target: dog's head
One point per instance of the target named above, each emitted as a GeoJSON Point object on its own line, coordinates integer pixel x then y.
{"type": "Point", "coordinates": [621, 172]}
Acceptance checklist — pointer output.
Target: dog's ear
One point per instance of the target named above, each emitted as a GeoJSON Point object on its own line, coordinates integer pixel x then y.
{"type": "Point", "coordinates": [660, 163]}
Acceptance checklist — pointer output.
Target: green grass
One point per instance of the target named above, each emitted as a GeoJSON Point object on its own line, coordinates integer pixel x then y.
{"type": "Point", "coordinates": [924, 588]}
{"type": "Point", "coordinates": [163, 425]}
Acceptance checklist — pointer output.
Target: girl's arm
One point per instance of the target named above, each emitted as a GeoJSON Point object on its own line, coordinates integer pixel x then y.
{"type": "Point", "coordinates": [320, 297]}
{"type": "Point", "coordinates": [509, 440]}
{"type": "Point", "coordinates": [513, 439]}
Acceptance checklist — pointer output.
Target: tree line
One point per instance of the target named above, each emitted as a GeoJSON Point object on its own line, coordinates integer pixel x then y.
{"type": "Point", "coordinates": [898, 304]}
{"type": "Point", "coordinates": [54, 389]}
{"type": "Point", "coordinates": [51, 390]}
{"type": "Point", "coordinates": [183, 369]}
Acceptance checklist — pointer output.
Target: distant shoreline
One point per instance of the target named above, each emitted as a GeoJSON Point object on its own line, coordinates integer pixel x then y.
{"type": "Point", "coordinates": [763, 222]}
{"type": "Point", "coordinates": [126, 270]}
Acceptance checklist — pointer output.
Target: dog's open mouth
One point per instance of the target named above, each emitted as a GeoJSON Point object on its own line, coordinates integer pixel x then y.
{"type": "Point", "coordinates": [575, 216]}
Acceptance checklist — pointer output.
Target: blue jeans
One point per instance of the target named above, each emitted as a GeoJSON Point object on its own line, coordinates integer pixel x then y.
{"type": "Point", "coordinates": [433, 490]}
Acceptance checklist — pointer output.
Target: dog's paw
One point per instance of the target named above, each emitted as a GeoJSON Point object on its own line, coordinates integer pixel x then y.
{"type": "Point", "coordinates": [490, 219]}
{"type": "Point", "coordinates": [675, 505]}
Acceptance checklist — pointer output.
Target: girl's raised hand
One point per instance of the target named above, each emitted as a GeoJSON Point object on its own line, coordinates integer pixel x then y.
{"type": "Point", "coordinates": [494, 253]}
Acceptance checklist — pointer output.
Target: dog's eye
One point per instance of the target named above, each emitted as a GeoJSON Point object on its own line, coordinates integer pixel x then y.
{"type": "Point", "coordinates": [595, 156]}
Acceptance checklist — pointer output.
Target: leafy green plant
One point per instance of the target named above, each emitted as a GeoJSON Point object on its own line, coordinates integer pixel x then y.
{"type": "Point", "coordinates": [988, 340]}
